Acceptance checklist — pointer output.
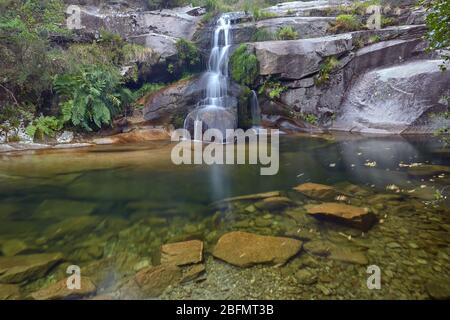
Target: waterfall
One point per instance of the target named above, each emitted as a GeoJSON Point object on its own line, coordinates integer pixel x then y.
{"type": "Point", "coordinates": [217, 75]}
{"type": "Point", "coordinates": [214, 110]}
{"type": "Point", "coordinates": [255, 111]}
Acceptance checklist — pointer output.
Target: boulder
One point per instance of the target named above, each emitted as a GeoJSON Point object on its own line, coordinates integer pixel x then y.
{"type": "Point", "coordinates": [212, 117]}
{"type": "Point", "coordinates": [357, 217]}
{"type": "Point", "coordinates": [396, 99]}
{"type": "Point", "coordinates": [182, 253]}
{"type": "Point", "coordinates": [296, 59]}
{"type": "Point", "coordinates": [274, 203]}
{"type": "Point", "coordinates": [152, 281]}
{"type": "Point", "coordinates": [18, 269]}
{"type": "Point", "coordinates": [175, 100]}
{"type": "Point", "coordinates": [60, 291]}
{"type": "Point", "coordinates": [316, 191]}
{"type": "Point", "coordinates": [244, 249]}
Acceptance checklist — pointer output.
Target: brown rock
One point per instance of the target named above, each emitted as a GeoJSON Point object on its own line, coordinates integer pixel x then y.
{"type": "Point", "coordinates": [273, 203]}
{"type": "Point", "coordinates": [316, 191]}
{"type": "Point", "coordinates": [255, 196]}
{"type": "Point", "coordinates": [154, 280]}
{"type": "Point", "coordinates": [347, 255]}
{"type": "Point", "coordinates": [139, 135]}
{"type": "Point", "coordinates": [9, 292]}
{"type": "Point", "coordinates": [17, 269]}
{"type": "Point", "coordinates": [357, 217]}
{"type": "Point", "coordinates": [182, 253]}
{"type": "Point", "coordinates": [193, 272]}
{"type": "Point", "coordinates": [246, 249]}
{"type": "Point", "coordinates": [59, 290]}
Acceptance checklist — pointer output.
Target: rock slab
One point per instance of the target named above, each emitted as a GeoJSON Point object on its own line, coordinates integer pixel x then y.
{"type": "Point", "coordinates": [182, 253]}
{"type": "Point", "coordinates": [245, 249]}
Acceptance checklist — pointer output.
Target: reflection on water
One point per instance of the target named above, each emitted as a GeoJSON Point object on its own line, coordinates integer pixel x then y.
{"type": "Point", "coordinates": [110, 208]}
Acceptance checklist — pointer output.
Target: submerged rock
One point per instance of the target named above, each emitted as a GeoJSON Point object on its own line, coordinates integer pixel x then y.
{"type": "Point", "coordinates": [439, 289]}
{"type": "Point", "coordinates": [55, 208]}
{"type": "Point", "coordinates": [59, 290]}
{"type": "Point", "coordinates": [152, 281]}
{"type": "Point", "coordinates": [255, 196]}
{"type": "Point", "coordinates": [13, 247]}
{"type": "Point", "coordinates": [274, 203]}
{"type": "Point", "coordinates": [9, 292]}
{"type": "Point", "coordinates": [193, 272]}
{"type": "Point", "coordinates": [27, 267]}
{"type": "Point", "coordinates": [316, 190]}
{"type": "Point", "coordinates": [246, 249]}
{"type": "Point", "coordinates": [352, 216]}
{"type": "Point", "coordinates": [347, 255]}
{"type": "Point", "coordinates": [71, 227]}
{"type": "Point", "coordinates": [306, 277]}
{"type": "Point", "coordinates": [428, 170]}
{"type": "Point", "coordinates": [182, 253]}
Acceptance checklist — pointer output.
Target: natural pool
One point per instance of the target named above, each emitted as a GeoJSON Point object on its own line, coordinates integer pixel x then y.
{"type": "Point", "coordinates": [108, 209]}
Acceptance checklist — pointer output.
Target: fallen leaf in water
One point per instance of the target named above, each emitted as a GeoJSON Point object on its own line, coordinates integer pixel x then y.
{"type": "Point", "coordinates": [392, 187]}
{"type": "Point", "coordinates": [370, 164]}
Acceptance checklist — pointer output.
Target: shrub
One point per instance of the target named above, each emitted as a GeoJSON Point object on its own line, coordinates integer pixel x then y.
{"type": "Point", "coordinates": [44, 126]}
{"type": "Point", "coordinates": [91, 96]}
{"type": "Point", "coordinates": [437, 22]}
{"type": "Point", "coordinates": [286, 33]}
{"type": "Point", "coordinates": [263, 35]}
{"type": "Point", "coordinates": [346, 23]}
{"type": "Point", "coordinates": [329, 65]}
{"type": "Point", "coordinates": [273, 89]}
{"type": "Point", "coordinates": [258, 14]}
{"type": "Point", "coordinates": [244, 66]}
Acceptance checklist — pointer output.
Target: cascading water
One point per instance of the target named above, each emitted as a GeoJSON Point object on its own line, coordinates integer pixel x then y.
{"type": "Point", "coordinates": [213, 110]}
{"type": "Point", "coordinates": [255, 111]}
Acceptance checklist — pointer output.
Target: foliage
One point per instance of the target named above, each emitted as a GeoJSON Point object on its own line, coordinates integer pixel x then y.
{"type": "Point", "coordinates": [329, 65]}
{"type": "Point", "coordinates": [387, 22]}
{"type": "Point", "coordinates": [263, 35]}
{"type": "Point", "coordinates": [258, 14]}
{"type": "Point", "coordinates": [286, 33]}
{"type": "Point", "coordinates": [92, 96]}
{"type": "Point", "coordinates": [44, 126]}
{"type": "Point", "coordinates": [374, 39]}
{"type": "Point", "coordinates": [25, 28]}
{"type": "Point", "coordinates": [273, 89]}
{"type": "Point", "coordinates": [188, 54]}
{"type": "Point", "coordinates": [438, 24]}
{"type": "Point", "coordinates": [244, 66]}
{"type": "Point", "coordinates": [346, 23]}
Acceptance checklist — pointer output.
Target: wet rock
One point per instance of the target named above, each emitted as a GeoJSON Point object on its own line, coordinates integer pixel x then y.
{"type": "Point", "coordinates": [318, 248]}
{"type": "Point", "coordinates": [246, 249]}
{"type": "Point", "coordinates": [348, 255]}
{"type": "Point", "coordinates": [153, 281]}
{"type": "Point", "coordinates": [17, 269]}
{"type": "Point", "coordinates": [14, 247]}
{"type": "Point", "coordinates": [357, 217]}
{"type": "Point", "coordinates": [256, 196]}
{"type": "Point", "coordinates": [60, 291]}
{"type": "Point", "coordinates": [316, 191]}
{"type": "Point", "coordinates": [193, 272]}
{"type": "Point", "coordinates": [306, 277]}
{"type": "Point", "coordinates": [71, 227]}
{"type": "Point", "coordinates": [135, 136]}
{"type": "Point", "coordinates": [9, 292]}
{"type": "Point", "coordinates": [182, 253]}
{"type": "Point", "coordinates": [428, 170]}
{"type": "Point", "coordinates": [65, 137]}
{"type": "Point", "coordinates": [274, 203]}
{"type": "Point", "coordinates": [54, 208]}
{"type": "Point", "coordinates": [439, 289]}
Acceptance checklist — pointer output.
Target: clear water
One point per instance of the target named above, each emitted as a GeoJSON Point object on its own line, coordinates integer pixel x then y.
{"type": "Point", "coordinates": [124, 188]}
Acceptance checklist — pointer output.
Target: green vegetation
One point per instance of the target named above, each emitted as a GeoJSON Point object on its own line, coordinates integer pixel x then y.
{"type": "Point", "coordinates": [387, 22]}
{"type": "Point", "coordinates": [286, 33]}
{"type": "Point", "coordinates": [258, 14]}
{"type": "Point", "coordinates": [374, 39]}
{"type": "Point", "coordinates": [91, 96]}
{"type": "Point", "coordinates": [438, 20]}
{"type": "Point", "coordinates": [263, 35]}
{"type": "Point", "coordinates": [44, 126]}
{"type": "Point", "coordinates": [244, 66]}
{"type": "Point", "coordinates": [188, 55]}
{"type": "Point", "coordinates": [346, 23]}
{"type": "Point", "coordinates": [273, 89]}
{"type": "Point", "coordinates": [329, 65]}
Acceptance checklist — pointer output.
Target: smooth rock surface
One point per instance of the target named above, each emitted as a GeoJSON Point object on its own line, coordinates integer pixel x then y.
{"type": "Point", "coordinates": [245, 249]}
{"type": "Point", "coordinates": [60, 291]}
{"type": "Point", "coordinates": [182, 253]}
